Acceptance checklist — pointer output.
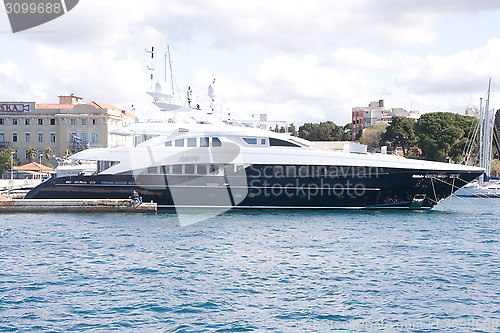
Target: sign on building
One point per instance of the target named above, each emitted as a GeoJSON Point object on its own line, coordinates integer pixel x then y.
{"type": "Point", "coordinates": [16, 107]}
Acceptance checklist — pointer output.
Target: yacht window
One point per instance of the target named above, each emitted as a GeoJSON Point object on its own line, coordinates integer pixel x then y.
{"type": "Point", "coordinates": [165, 169]}
{"type": "Point", "coordinates": [250, 141]}
{"type": "Point", "coordinates": [216, 168]}
{"type": "Point", "coordinates": [177, 169]}
{"type": "Point", "coordinates": [216, 142]}
{"type": "Point", "coordinates": [201, 169]}
{"type": "Point", "coordinates": [204, 142]}
{"type": "Point", "coordinates": [262, 141]}
{"type": "Point", "coordinates": [168, 144]}
{"type": "Point", "coordinates": [104, 165]}
{"type": "Point", "coordinates": [281, 143]}
{"type": "Point", "coordinates": [189, 169]}
{"type": "Point", "coordinates": [192, 142]}
{"type": "Point", "coordinates": [152, 170]}
{"type": "Point", "coordinates": [179, 143]}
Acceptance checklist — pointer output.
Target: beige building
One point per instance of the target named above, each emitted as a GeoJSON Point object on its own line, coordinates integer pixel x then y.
{"type": "Point", "coordinates": [67, 126]}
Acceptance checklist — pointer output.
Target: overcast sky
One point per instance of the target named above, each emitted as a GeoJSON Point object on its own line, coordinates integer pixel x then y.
{"type": "Point", "coordinates": [301, 61]}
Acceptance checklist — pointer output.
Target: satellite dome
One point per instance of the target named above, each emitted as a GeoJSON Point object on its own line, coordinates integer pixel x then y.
{"type": "Point", "coordinates": [161, 87]}
{"type": "Point", "coordinates": [211, 91]}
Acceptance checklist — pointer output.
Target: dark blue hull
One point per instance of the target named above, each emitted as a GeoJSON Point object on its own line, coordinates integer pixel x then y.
{"type": "Point", "coordinates": [264, 186]}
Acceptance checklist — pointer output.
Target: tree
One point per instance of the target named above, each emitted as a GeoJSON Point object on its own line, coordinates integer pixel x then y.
{"type": "Point", "coordinates": [401, 132]}
{"type": "Point", "coordinates": [324, 131]}
{"type": "Point", "coordinates": [442, 135]}
{"type": "Point", "coordinates": [292, 130]}
{"type": "Point", "coordinates": [48, 153]}
{"type": "Point", "coordinates": [372, 136]}
{"type": "Point", "coordinates": [5, 160]}
{"type": "Point", "coordinates": [31, 154]}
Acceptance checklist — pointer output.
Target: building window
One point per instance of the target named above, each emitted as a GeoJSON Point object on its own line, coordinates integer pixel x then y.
{"type": "Point", "coordinates": [84, 122]}
{"type": "Point", "coordinates": [27, 121]}
{"type": "Point", "coordinates": [40, 137]}
{"type": "Point", "coordinates": [83, 136]}
{"type": "Point", "coordinates": [40, 153]}
{"type": "Point", "coordinates": [2, 121]}
{"type": "Point", "coordinates": [40, 122]}
{"type": "Point", "coordinates": [94, 121]}
{"type": "Point", "coordinates": [73, 121]}
{"type": "Point", "coordinates": [27, 137]}
{"type": "Point", "coordinates": [2, 137]}
{"type": "Point", "coordinates": [14, 136]}
{"type": "Point", "coordinates": [15, 154]}
{"type": "Point", "coordinates": [14, 121]}
{"type": "Point", "coordinates": [52, 137]}
{"type": "Point", "coordinates": [95, 137]}
{"type": "Point", "coordinates": [52, 121]}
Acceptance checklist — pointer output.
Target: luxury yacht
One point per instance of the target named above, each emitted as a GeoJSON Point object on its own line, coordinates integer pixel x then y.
{"type": "Point", "coordinates": [205, 162]}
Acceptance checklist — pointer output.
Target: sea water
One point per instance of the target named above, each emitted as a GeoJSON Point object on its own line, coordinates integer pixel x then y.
{"type": "Point", "coordinates": [263, 271]}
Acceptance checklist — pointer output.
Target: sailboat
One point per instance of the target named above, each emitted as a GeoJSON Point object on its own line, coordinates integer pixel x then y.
{"type": "Point", "coordinates": [486, 186]}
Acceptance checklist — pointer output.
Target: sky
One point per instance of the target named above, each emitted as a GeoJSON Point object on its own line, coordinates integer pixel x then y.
{"type": "Point", "coordinates": [296, 60]}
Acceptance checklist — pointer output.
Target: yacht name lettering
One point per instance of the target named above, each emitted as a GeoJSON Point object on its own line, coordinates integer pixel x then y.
{"type": "Point", "coordinates": [186, 158]}
{"type": "Point", "coordinates": [15, 107]}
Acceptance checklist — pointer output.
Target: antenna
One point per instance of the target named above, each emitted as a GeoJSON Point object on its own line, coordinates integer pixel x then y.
{"type": "Point", "coordinates": [151, 68]}
{"type": "Point", "coordinates": [189, 96]}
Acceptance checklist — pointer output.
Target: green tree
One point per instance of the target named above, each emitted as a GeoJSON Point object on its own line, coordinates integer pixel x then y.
{"type": "Point", "coordinates": [347, 132]}
{"type": "Point", "coordinates": [292, 129]}
{"type": "Point", "coordinates": [442, 135]}
{"type": "Point", "coordinates": [5, 160]}
{"type": "Point", "coordinates": [31, 154]}
{"type": "Point", "coordinates": [48, 153]}
{"type": "Point", "coordinates": [324, 131]}
{"type": "Point", "coordinates": [400, 132]}
{"type": "Point", "coordinates": [372, 136]}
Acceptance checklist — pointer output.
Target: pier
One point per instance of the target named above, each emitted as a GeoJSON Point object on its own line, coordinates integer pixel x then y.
{"type": "Point", "coordinates": [76, 205]}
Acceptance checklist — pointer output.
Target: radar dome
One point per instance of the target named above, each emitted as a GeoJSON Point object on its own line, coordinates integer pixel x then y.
{"type": "Point", "coordinates": [211, 91]}
{"type": "Point", "coordinates": [161, 87]}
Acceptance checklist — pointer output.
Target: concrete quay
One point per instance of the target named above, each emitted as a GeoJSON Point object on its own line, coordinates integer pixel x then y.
{"type": "Point", "coordinates": [76, 205]}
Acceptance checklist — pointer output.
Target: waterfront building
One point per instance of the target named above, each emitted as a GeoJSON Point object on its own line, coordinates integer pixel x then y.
{"type": "Point", "coordinates": [365, 117]}
{"type": "Point", "coordinates": [69, 126]}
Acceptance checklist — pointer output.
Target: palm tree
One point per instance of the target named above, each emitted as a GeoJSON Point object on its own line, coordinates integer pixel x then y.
{"type": "Point", "coordinates": [48, 153]}
{"type": "Point", "coordinates": [31, 154]}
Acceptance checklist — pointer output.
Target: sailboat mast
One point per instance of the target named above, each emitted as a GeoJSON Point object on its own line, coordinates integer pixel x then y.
{"type": "Point", "coordinates": [170, 66]}
{"type": "Point", "coordinates": [487, 134]}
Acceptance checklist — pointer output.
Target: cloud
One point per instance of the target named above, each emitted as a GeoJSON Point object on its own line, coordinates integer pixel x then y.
{"type": "Point", "coordinates": [14, 86]}
{"type": "Point", "coordinates": [276, 25]}
{"type": "Point", "coordinates": [463, 72]}
{"type": "Point", "coordinates": [106, 76]}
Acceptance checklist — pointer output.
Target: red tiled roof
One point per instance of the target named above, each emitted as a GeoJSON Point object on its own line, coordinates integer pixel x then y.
{"type": "Point", "coordinates": [100, 105]}
{"type": "Point", "coordinates": [33, 166]}
{"type": "Point", "coordinates": [97, 105]}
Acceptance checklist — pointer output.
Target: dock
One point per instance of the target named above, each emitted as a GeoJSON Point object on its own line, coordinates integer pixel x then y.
{"type": "Point", "coordinates": [76, 206]}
